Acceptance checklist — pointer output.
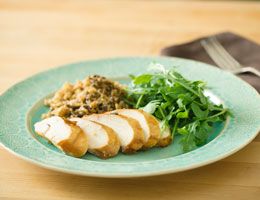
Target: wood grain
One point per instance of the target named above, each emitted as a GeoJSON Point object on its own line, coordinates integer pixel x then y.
{"type": "Point", "coordinates": [38, 35]}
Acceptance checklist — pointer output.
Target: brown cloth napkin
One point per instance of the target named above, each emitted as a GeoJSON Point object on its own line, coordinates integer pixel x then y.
{"type": "Point", "coordinates": [243, 50]}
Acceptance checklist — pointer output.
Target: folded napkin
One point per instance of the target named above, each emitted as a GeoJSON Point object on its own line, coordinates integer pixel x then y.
{"type": "Point", "coordinates": [243, 50]}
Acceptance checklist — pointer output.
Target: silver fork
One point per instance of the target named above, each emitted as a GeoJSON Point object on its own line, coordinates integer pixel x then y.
{"type": "Point", "coordinates": [223, 59]}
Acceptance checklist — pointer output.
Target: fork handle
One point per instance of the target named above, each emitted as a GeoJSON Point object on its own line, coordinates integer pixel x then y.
{"type": "Point", "coordinates": [247, 69]}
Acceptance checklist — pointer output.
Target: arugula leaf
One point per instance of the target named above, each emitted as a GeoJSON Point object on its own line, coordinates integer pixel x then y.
{"type": "Point", "coordinates": [142, 79]}
{"type": "Point", "coordinates": [182, 115]}
{"type": "Point", "coordinates": [198, 112]}
{"type": "Point", "coordinates": [179, 103]}
{"type": "Point", "coordinates": [151, 106]}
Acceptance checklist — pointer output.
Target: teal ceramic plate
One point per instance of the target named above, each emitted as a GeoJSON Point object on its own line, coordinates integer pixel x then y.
{"type": "Point", "coordinates": [22, 105]}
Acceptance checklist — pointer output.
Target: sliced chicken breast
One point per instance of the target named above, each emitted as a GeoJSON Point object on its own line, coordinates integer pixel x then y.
{"type": "Point", "coordinates": [128, 130]}
{"type": "Point", "coordinates": [64, 134]}
{"type": "Point", "coordinates": [148, 122]}
{"type": "Point", "coordinates": [102, 140]}
{"type": "Point", "coordinates": [165, 138]}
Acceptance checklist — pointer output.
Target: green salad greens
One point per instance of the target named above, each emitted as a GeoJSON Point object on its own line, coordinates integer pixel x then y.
{"type": "Point", "coordinates": [179, 103]}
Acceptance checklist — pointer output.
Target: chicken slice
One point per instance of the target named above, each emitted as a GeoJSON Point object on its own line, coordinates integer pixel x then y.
{"type": "Point", "coordinates": [64, 134]}
{"type": "Point", "coordinates": [102, 140]}
{"type": "Point", "coordinates": [128, 130]}
{"type": "Point", "coordinates": [148, 122]}
{"type": "Point", "coordinates": [165, 137]}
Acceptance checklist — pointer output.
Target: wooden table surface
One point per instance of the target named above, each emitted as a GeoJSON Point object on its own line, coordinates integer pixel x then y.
{"type": "Point", "coordinates": [37, 35]}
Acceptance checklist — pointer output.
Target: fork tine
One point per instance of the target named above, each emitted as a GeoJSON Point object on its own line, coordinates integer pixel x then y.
{"type": "Point", "coordinates": [221, 56]}
{"type": "Point", "coordinates": [213, 53]}
{"type": "Point", "coordinates": [223, 59]}
{"type": "Point", "coordinates": [233, 64]}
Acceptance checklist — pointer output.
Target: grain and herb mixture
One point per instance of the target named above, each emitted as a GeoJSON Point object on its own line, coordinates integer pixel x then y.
{"type": "Point", "coordinates": [95, 94]}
